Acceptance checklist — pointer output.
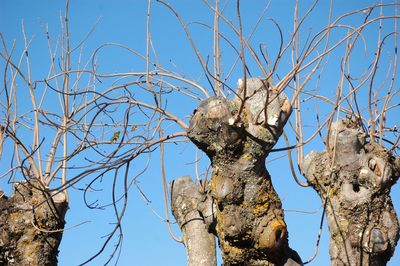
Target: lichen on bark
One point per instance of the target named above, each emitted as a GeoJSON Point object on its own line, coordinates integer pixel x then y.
{"type": "Point", "coordinates": [237, 136]}
{"type": "Point", "coordinates": [354, 177]}
{"type": "Point", "coordinates": [31, 223]}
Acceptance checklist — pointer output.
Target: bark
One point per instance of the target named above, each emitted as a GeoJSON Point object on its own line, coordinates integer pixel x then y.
{"type": "Point", "coordinates": [31, 223]}
{"type": "Point", "coordinates": [355, 178]}
{"type": "Point", "coordinates": [237, 138]}
{"type": "Point", "coordinates": [193, 212]}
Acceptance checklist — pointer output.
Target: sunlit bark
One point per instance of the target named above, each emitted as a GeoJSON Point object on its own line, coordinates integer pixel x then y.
{"type": "Point", "coordinates": [237, 136]}
{"type": "Point", "coordinates": [31, 225]}
{"type": "Point", "coordinates": [354, 177]}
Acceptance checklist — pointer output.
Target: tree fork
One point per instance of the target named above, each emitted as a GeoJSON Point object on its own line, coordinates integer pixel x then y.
{"type": "Point", "coordinates": [355, 177]}
{"type": "Point", "coordinates": [237, 136]}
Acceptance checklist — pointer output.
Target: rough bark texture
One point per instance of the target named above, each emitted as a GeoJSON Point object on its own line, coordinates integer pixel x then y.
{"type": "Point", "coordinates": [193, 212]}
{"type": "Point", "coordinates": [249, 218]}
{"type": "Point", "coordinates": [355, 178]}
{"type": "Point", "coordinates": [30, 223]}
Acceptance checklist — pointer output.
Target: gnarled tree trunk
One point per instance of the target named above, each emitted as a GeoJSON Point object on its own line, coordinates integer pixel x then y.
{"type": "Point", "coordinates": [31, 223]}
{"type": "Point", "coordinates": [237, 136]}
{"type": "Point", "coordinates": [354, 178]}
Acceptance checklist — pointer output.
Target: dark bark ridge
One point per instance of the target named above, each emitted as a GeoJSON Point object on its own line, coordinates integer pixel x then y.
{"type": "Point", "coordinates": [31, 223]}
{"type": "Point", "coordinates": [355, 178]}
{"type": "Point", "coordinates": [249, 218]}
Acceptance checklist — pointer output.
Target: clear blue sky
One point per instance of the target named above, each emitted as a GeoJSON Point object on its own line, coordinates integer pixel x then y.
{"type": "Point", "coordinates": [146, 240]}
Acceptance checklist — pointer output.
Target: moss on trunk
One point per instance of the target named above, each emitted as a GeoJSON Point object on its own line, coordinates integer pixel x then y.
{"type": "Point", "coordinates": [31, 223]}
{"type": "Point", "coordinates": [237, 136]}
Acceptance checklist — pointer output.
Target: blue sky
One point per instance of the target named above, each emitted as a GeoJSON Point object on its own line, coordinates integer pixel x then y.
{"type": "Point", "coordinates": [146, 240]}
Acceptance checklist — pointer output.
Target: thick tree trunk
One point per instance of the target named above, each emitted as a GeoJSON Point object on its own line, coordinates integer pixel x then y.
{"type": "Point", "coordinates": [31, 223]}
{"type": "Point", "coordinates": [237, 136]}
{"type": "Point", "coordinates": [354, 178]}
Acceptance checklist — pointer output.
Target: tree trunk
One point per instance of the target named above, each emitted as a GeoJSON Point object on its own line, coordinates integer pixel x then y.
{"type": "Point", "coordinates": [237, 136]}
{"type": "Point", "coordinates": [31, 223]}
{"type": "Point", "coordinates": [354, 178]}
{"type": "Point", "coordinates": [193, 211]}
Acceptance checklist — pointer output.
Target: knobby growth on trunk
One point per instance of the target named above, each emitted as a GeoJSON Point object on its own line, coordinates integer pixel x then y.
{"type": "Point", "coordinates": [353, 177]}
{"type": "Point", "coordinates": [31, 225]}
{"type": "Point", "coordinates": [106, 120]}
{"type": "Point", "coordinates": [237, 136]}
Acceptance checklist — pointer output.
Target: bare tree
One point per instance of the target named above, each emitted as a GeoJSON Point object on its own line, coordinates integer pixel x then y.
{"type": "Point", "coordinates": [355, 173]}
{"type": "Point", "coordinates": [67, 132]}
{"type": "Point", "coordinates": [363, 224]}
{"type": "Point", "coordinates": [102, 123]}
